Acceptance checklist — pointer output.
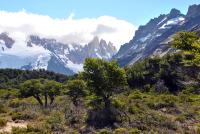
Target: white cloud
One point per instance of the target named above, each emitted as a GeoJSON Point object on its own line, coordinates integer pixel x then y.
{"type": "Point", "coordinates": [67, 30]}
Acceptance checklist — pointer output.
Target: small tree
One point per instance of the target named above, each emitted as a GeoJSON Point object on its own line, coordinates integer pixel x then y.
{"type": "Point", "coordinates": [189, 43]}
{"type": "Point", "coordinates": [40, 87]}
{"type": "Point", "coordinates": [104, 78]}
{"type": "Point", "coordinates": [51, 90]}
{"type": "Point", "coordinates": [32, 88]}
{"type": "Point", "coordinates": [76, 90]}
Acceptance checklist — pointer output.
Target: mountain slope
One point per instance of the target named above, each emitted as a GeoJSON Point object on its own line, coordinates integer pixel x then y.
{"type": "Point", "coordinates": [153, 38]}
{"type": "Point", "coordinates": [48, 54]}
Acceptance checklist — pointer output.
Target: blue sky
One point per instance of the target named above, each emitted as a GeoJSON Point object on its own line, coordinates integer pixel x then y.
{"type": "Point", "coordinates": [135, 11]}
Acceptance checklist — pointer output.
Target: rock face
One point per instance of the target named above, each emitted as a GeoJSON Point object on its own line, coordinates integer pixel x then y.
{"type": "Point", "coordinates": [154, 37]}
{"type": "Point", "coordinates": [42, 53]}
{"type": "Point", "coordinates": [6, 41]}
{"type": "Point", "coordinates": [193, 11]}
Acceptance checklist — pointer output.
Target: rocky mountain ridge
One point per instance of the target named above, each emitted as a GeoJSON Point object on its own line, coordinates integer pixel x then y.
{"type": "Point", "coordinates": [50, 54]}
{"type": "Point", "coordinates": [154, 37]}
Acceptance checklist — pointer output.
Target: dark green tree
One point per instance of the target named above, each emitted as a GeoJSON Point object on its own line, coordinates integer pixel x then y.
{"type": "Point", "coordinates": [76, 90]}
{"type": "Point", "coordinates": [40, 87]}
{"type": "Point", "coordinates": [104, 78]}
{"type": "Point", "coordinates": [51, 90]}
{"type": "Point", "coordinates": [189, 43]}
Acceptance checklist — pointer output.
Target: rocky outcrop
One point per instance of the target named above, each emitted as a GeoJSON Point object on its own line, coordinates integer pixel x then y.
{"type": "Point", "coordinates": [6, 40]}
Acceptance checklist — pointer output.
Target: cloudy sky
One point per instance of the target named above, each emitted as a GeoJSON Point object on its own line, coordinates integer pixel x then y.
{"type": "Point", "coordinates": [80, 20]}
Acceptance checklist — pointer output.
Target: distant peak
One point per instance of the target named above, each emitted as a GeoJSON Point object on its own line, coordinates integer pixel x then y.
{"type": "Point", "coordinates": [103, 41]}
{"type": "Point", "coordinates": [193, 11]}
{"type": "Point", "coordinates": [174, 13]}
{"type": "Point", "coordinates": [8, 40]}
{"type": "Point", "coordinates": [95, 39]}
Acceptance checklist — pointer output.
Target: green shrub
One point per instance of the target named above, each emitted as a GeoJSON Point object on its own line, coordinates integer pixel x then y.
{"type": "Point", "coordinates": [55, 122]}
{"type": "Point", "coordinates": [8, 93]}
{"type": "Point", "coordinates": [104, 131]}
{"type": "Point", "coordinates": [29, 130]}
{"type": "Point", "coordinates": [3, 122]}
{"type": "Point", "coordinates": [22, 116]}
{"type": "Point", "coordinates": [134, 110]}
{"type": "Point", "coordinates": [134, 131]}
{"type": "Point", "coordinates": [118, 103]}
{"type": "Point", "coordinates": [14, 103]}
{"type": "Point", "coordinates": [120, 131]}
{"type": "Point", "coordinates": [136, 95]}
{"type": "Point", "coordinates": [3, 109]}
{"type": "Point", "coordinates": [181, 118]}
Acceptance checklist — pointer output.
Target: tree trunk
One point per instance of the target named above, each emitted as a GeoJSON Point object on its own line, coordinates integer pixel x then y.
{"type": "Point", "coordinates": [51, 100]}
{"type": "Point", "coordinates": [46, 100]}
{"type": "Point", "coordinates": [107, 102]}
{"type": "Point", "coordinates": [38, 99]}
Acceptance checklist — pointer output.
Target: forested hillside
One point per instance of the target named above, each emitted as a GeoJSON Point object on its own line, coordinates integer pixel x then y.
{"type": "Point", "coordinates": [156, 95]}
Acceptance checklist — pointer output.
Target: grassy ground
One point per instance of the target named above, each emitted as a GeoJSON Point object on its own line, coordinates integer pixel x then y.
{"type": "Point", "coordinates": [139, 113]}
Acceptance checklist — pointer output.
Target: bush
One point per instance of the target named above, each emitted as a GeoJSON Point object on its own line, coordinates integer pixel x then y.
{"type": "Point", "coordinates": [22, 116]}
{"type": "Point", "coordinates": [104, 131]}
{"type": "Point", "coordinates": [181, 118]}
{"type": "Point", "coordinates": [3, 109]}
{"type": "Point", "coordinates": [120, 131]}
{"type": "Point", "coordinates": [55, 123]}
{"type": "Point", "coordinates": [136, 95]}
{"type": "Point", "coordinates": [16, 103]}
{"type": "Point", "coordinates": [3, 122]}
{"type": "Point", "coordinates": [134, 131]}
{"type": "Point", "coordinates": [29, 130]}
{"type": "Point", "coordinates": [118, 103]}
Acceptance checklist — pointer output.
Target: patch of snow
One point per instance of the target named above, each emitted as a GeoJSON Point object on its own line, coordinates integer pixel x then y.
{"type": "Point", "coordinates": [2, 45]}
{"type": "Point", "coordinates": [74, 67]}
{"type": "Point", "coordinates": [134, 46]}
{"type": "Point", "coordinates": [66, 51]}
{"type": "Point", "coordinates": [42, 62]}
{"type": "Point", "coordinates": [145, 38]}
{"type": "Point", "coordinates": [2, 42]}
{"type": "Point", "coordinates": [135, 59]}
{"type": "Point", "coordinates": [71, 48]}
{"type": "Point", "coordinates": [171, 22]}
{"type": "Point", "coordinates": [98, 55]}
{"type": "Point", "coordinates": [157, 35]}
{"type": "Point", "coordinates": [20, 55]}
{"type": "Point", "coordinates": [162, 21]}
{"type": "Point", "coordinates": [109, 55]}
{"type": "Point", "coordinates": [12, 61]}
{"type": "Point", "coordinates": [76, 48]}
{"type": "Point", "coordinates": [95, 50]}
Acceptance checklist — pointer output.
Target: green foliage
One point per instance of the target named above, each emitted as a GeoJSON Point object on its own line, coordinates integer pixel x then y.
{"type": "Point", "coordinates": [2, 122]}
{"type": "Point", "coordinates": [104, 131]}
{"type": "Point", "coordinates": [54, 123]}
{"type": "Point", "coordinates": [103, 78]}
{"type": "Point", "coordinates": [14, 103]}
{"type": "Point", "coordinates": [38, 87]}
{"type": "Point", "coordinates": [3, 109]}
{"type": "Point", "coordinates": [76, 90]}
{"type": "Point", "coordinates": [22, 116]}
{"type": "Point", "coordinates": [120, 131]}
{"type": "Point", "coordinates": [11, 78]}
{"type": "Point", "coordinates": [159, 72]}
{"type": "Point", "coordinates": [134, 131]}
{"type": "Point", "coordinates": [162, 97]}
{"type": "Point", "coordinates": [189, 42]}
{"type": "Point", "coordinates": [29, 130]}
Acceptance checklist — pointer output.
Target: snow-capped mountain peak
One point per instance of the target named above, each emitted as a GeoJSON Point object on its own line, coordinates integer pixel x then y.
{"type": "Point", "coordinates": [49, 54]}
{"type": "Point", "coordinates": [153, 37]}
